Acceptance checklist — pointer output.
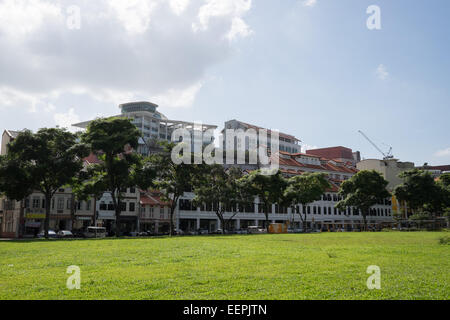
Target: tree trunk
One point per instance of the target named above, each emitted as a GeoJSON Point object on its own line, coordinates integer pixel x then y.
{"type": "Point", "coordinates": [304, 223]}
{"type": "Point", "coordinates": [364, 214]}
{"type": "Point", "coordinates": [266, 212]}
{"type": "Point", "coordinates": [172, 211]}
{"type": "Point", "coordinates": [72, 210]}
{"type": "Point", "coordinates": [116, 202]}
{"type": "Point", "coordinates": [117, 226]}
{"type": "Point", "coordinates": [48, 199]}
{"type": "Point", "coordinates": [21, 219]}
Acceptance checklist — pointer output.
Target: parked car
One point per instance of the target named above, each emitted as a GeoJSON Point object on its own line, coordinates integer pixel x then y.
{"type": "Point", "coordinates": [95, 232]}
{"type": "Point", "coordinates": [255, 230]}
{"type": "Point", "coordinates": [51, 234]}
{"type": "Point", "coordinates": [203, 231]}
{"type": "Point", "coordinates": [78, 233]}
{"type": "Point", "coordinates": [64, 234]}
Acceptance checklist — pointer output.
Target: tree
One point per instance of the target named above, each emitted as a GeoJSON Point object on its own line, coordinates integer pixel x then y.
{"type": "Point", "coordinates": [44, 162]}
{"type": "Point", "coordinates": [363, 190]}
{"type": "Point", "coordinates": [172, 179]}
{"type": "Point", "coordinates": [114, 140]}
{"type": "Point", "coordinates": [268, 188]}
{"type": "Point", "coordinates": [304, 189]}
{"type": "Point", "coordinates": [419, 189]}
{"type": "Point", "coordinates": [217, 185]}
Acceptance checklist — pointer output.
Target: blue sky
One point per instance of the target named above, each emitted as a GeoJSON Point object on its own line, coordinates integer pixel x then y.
{"type": "Point", "coordinates": [313, 71]}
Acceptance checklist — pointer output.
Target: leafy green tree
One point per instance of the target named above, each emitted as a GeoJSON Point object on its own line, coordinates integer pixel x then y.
{"type": "Point", "coordinates": [419, 189]}
{"type": "Point", "coordinates": [114, 140]}
{"type": "Point", "coordinates": [362, 191]}
{"type": "Point", "coordinates": [44, 162]}
{"type": "Point", "coordinates": [268, 188]}
{"type": "Point", "coordinates": [304, 189]}
{"type": "Point", "coordinates": [420, 217]}
{"type": "Point", "coordinates": [216, 185]}
{"type": "Point", "coordinates": [172, 179]}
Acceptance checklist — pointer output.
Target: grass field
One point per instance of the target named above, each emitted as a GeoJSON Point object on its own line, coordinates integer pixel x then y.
{"type": "Point", "coordinates": [291, 266]}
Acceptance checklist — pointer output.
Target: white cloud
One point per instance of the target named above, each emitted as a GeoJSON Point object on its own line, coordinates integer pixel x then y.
{"type": "Point", "coordinates": [238, 28]}
{"type": "Point", "coordinates": [179, 97]}
{"type": "Point", "coordinates": [65, 120]}
{"type": "Point", "coordinates": [134, 14]}
{"type": "Point", "coordinates": [443, 153]}
{"type": "Point", "coordinates": [220, 8]}
{"type": "Point", "coordinates": [382, 72]}
{"type": "Point", "coordinates": [22, 17]}
{"type": "Point", "coordinates": [309, 3]}
{"type": "Point", "coordinates": [124, 50]}
{"type": "Point", "coordinates": [178, 6]}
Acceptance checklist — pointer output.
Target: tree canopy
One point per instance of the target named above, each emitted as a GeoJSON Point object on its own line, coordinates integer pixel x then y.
{"type": "Point", "coordinates": [172, 179]}
{"type": "Point", "coordinates": [113, 141]}
{"type": "Point", "coordinates": [43, 161]}
{"type": "Point", "coordinates": [268, 188]}
{"type": "Point", "coordinates": [221, 187]}
{"type": "Point", "coordinates": [362, 191]}
{"type": "Point", "coordinates": [304, 189]}
{"type": "Point", "coordinates": [419, 189]}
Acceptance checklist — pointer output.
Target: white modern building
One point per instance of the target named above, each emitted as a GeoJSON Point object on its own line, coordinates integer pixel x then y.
{"type": "Point", "coordinates": [287, 142]}
{"type": "Point", "coordinates": [155, 126]}
{"type": "Point", "coordinates": [320, 214]}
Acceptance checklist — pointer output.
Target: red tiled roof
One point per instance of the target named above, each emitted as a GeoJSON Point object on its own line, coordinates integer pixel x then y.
{"type": "Point", "coordinates": [325, 166]}
{"type": "Point", "coordinates": [442, 168]}
{"type": "Point", "coordinates": [152, 199]}
{"type": "Point", "coordinates": [91, 159]}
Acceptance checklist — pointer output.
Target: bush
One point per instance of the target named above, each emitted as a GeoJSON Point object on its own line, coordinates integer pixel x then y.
{"type": "Point", "coordinates": [444, 240]}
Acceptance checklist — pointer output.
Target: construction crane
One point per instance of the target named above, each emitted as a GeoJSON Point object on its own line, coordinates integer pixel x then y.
{"type": "Point", "coordinates": [387, 155]}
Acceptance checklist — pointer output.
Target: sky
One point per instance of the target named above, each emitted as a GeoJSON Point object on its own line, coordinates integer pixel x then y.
{"type": "Point", "coordinates": [309, 68]}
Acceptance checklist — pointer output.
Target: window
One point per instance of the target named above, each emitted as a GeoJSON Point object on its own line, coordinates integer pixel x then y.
{"type": "Point", "coordinates": [43, 203]}
{"type": "Point", "coordinates": [79, 205]}
{"type": "Point", "coordinates": [132, 190]}
{"type": "Point", "coordinates": [103, 206]}
{"type": "Point", "coordinates": [314, 210]}
{"type": "Point", "coordinates": [132, 206]}
{"type": "Point", "coordinates": [69, 203]}
{"type": "Point", "coordinates": [60, 204]}
{"type": "Point", "coordinates": [36, 203]}
{"type": "Point", "coordinates": [88, 205]}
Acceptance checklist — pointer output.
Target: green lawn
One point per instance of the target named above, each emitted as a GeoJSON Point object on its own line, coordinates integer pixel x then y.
{"type": "Point", "coordinates": [291, 266]}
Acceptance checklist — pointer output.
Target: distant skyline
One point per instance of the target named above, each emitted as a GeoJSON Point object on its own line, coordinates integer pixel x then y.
{"type": "Point", "coordinates": [310, 68]}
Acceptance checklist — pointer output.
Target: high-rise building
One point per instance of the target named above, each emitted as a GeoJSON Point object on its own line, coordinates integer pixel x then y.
{"type": "Point", "coordinates": [155, 126]}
